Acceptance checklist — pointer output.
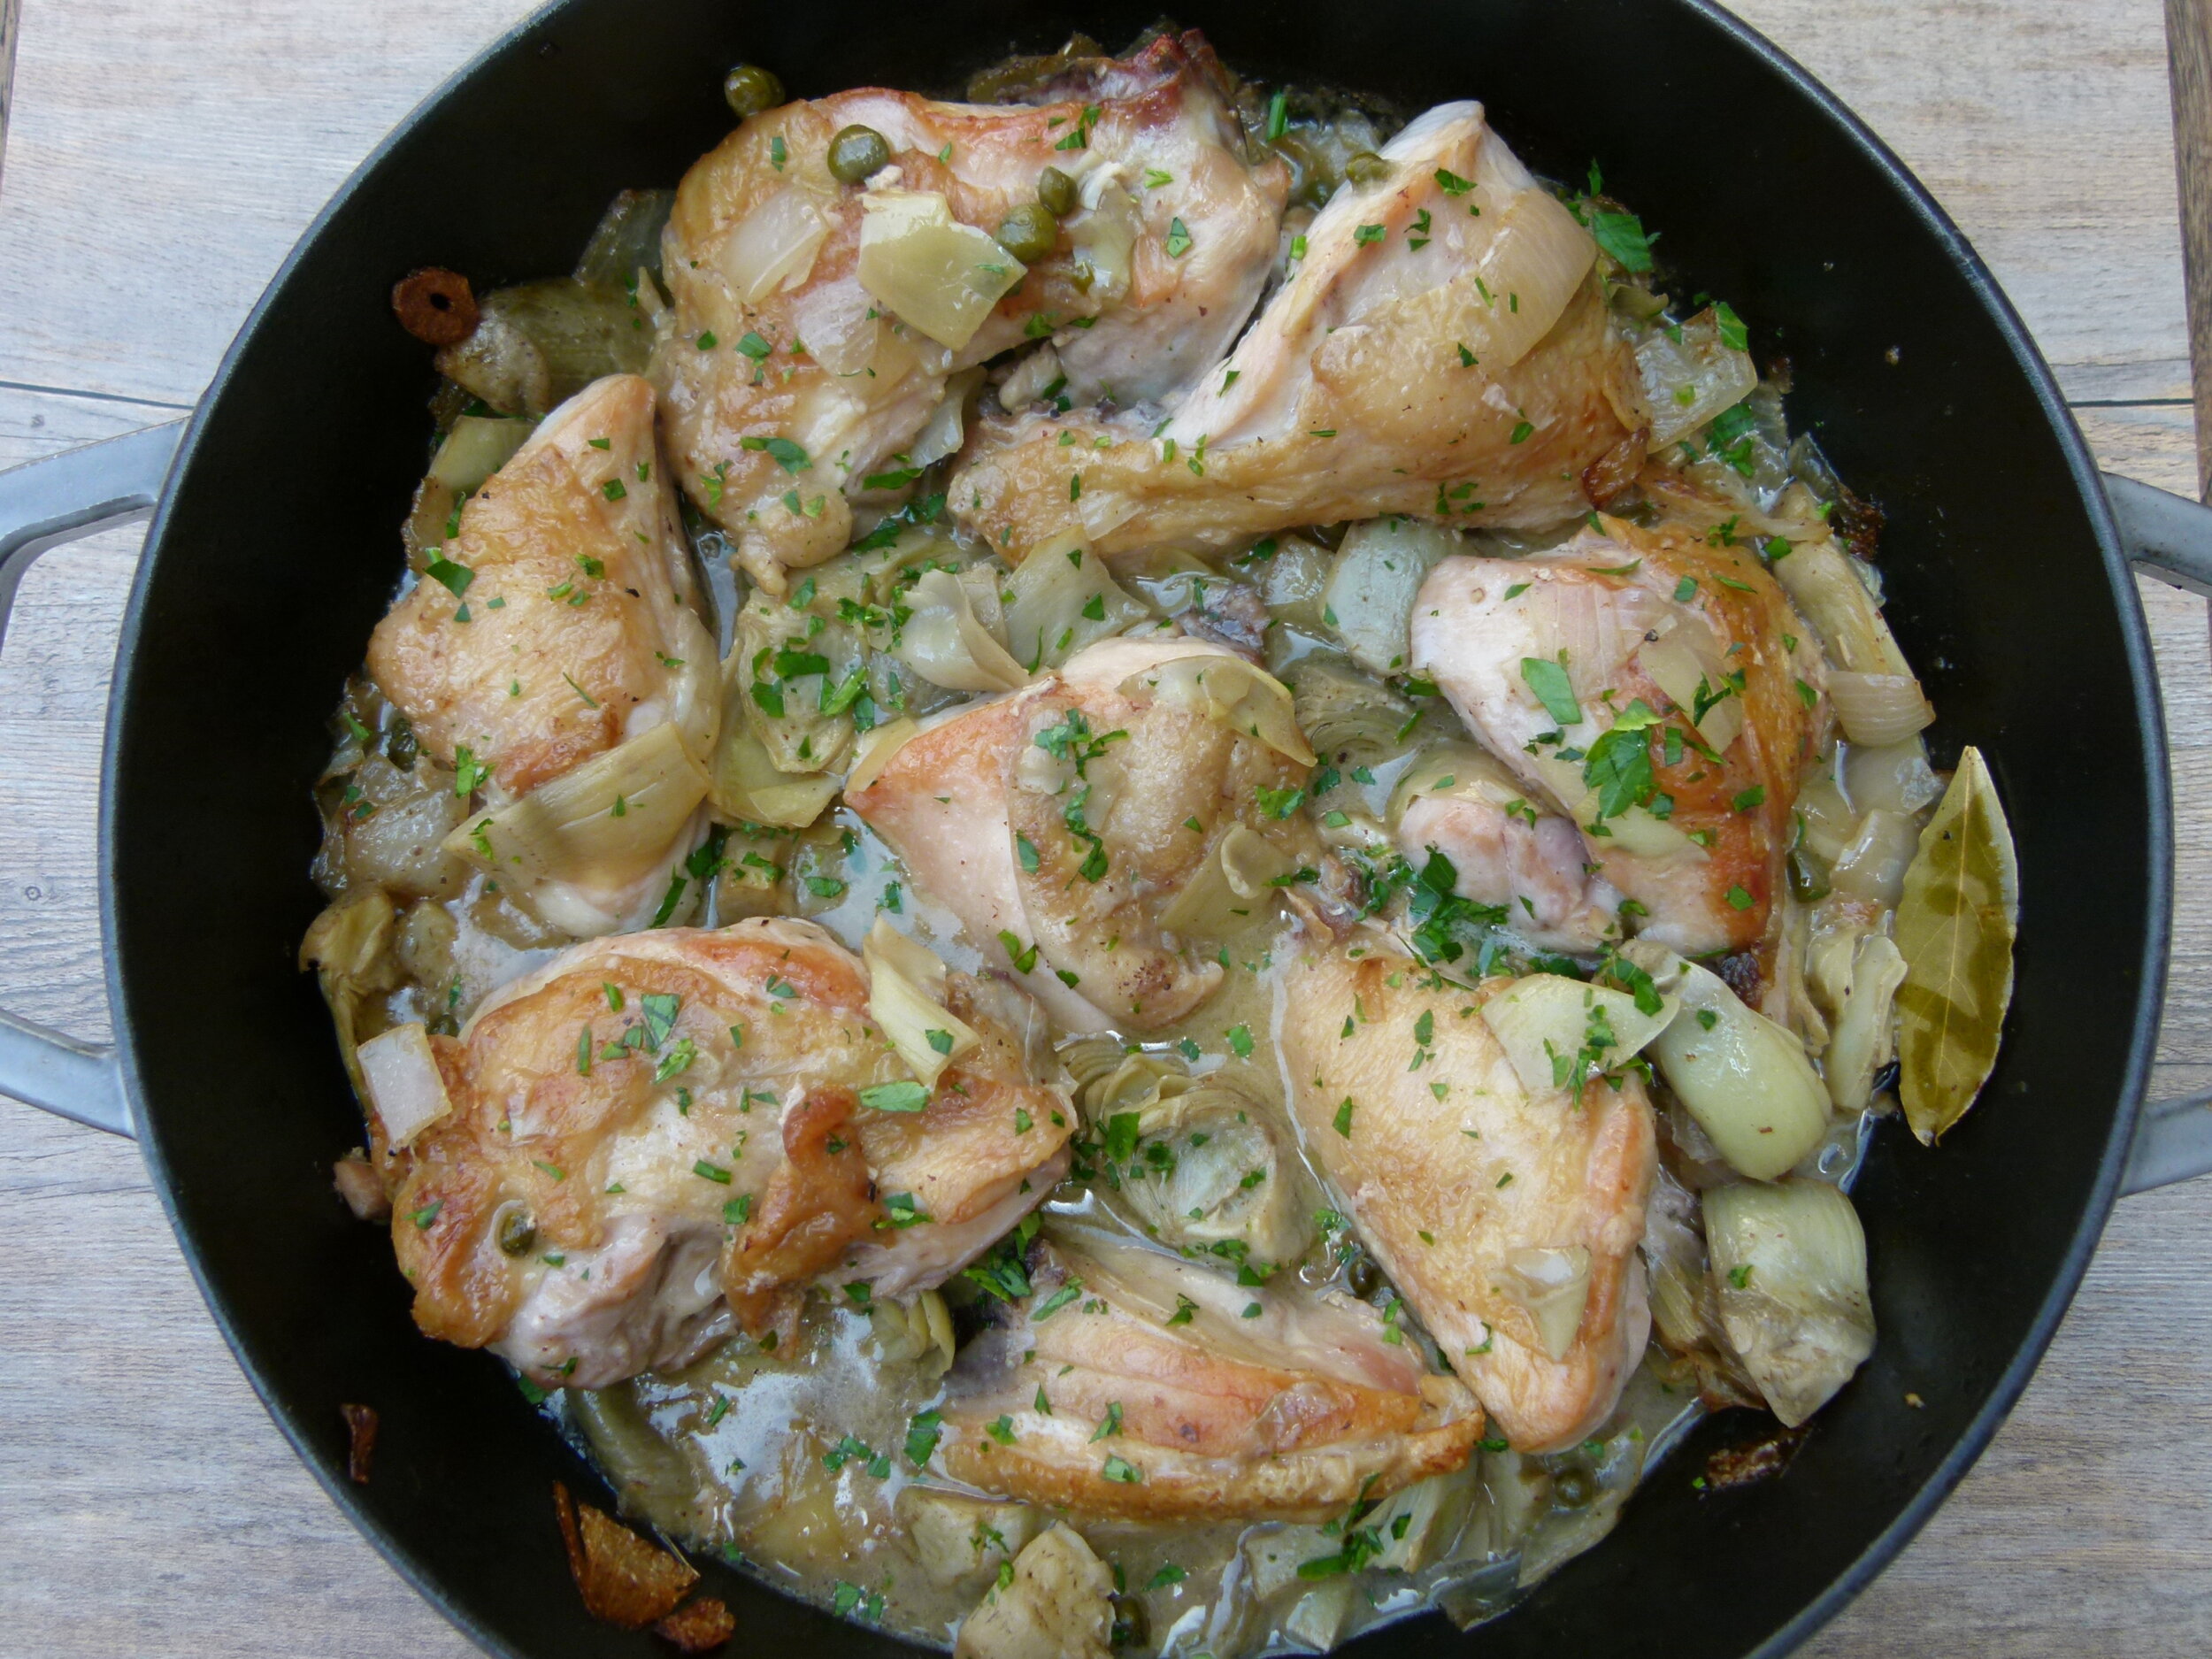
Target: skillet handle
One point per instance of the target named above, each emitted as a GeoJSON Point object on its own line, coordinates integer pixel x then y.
{"type": "Point", "coordinates": [2168, 536]}
{"type": "Point", "coordinates": [42, 505]}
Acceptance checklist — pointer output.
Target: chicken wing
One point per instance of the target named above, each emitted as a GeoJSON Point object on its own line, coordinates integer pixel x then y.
{"type": "Point", "coordinates": [1696, 697]}
{"type": "Point", "coordinates": [1442, 351]}
{"type": "Point", "coordinates": [1071, 826]}
{"type": "Point", "coordinates": [656, 1139]}
{"type": "Point", "coordinates": [1509, 1220]}
{"type": "Point", "coordinates": [1130, 1383]}
{"type": "Point", "coordinates": [790, 385]}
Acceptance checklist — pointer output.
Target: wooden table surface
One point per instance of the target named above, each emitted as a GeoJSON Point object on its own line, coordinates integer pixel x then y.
{"type": "Point", "coordinates": [165, 154]}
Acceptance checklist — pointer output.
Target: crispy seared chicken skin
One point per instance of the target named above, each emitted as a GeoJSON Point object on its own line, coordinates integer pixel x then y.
{"type": "Point", "coordinates": [1173, 1393]}
{"type": "Point", "coordinates": [656, 1140]}
{"type": "Point", "coordinates": [1481, 1198]}
{"type": "Point", "coordinates": [774, 336]}
{"type": "Point", "coordinates": [1424, 358]}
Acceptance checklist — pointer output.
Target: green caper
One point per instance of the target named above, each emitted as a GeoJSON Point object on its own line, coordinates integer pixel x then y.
{"type": "Point", "coordinates": [1029, 233]}
{"type": "Point", "coordinates": [1056, 191]}
{"type": "Point", "coordinates": [401, 745]}
{"type": "Point", "coordinates": [1808, 875]}
{"type": "Point", "coordinates": [1364, 1278]}
{"type": "Point", "coordinates": [517, 1233]}
{"type": "Point", "coordinates": [750, 89]}
{"type": "Point", "coordinates": [858, 153]}
{"type": "Point", "coordinates": [1573, 1487]}
{"type": "Point", "coordinates": [1366, 168]}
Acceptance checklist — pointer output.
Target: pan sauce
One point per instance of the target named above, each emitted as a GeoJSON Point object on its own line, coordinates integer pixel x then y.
{"type": "Point", "coordinates": [803, 1461]}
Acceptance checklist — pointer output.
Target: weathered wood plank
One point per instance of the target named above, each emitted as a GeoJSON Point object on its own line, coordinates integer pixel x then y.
{"type": "Point", "coordinates": [2189, 74]}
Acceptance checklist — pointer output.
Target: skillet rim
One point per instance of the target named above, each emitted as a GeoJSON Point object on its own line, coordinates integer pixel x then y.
{"type": "Point", "coordinates": [2082, 470]}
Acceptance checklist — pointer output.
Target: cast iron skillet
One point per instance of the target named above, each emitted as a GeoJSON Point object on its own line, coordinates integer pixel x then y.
{"type": "Point", "coordinates": [274, 550]}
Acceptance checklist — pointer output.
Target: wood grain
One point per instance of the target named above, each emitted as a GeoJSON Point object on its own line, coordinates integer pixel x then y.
{"type": "Point", "coordinates": [2189, 73]}
{"type": "Point", "coordinates": [175, 148]}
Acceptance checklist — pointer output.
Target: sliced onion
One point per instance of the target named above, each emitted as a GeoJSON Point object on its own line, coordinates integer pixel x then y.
{"type": "Point", "coordinates": [1552, 1284]}
{"type": "Point", "coordinates": [1790, 1264]}
{"type": "Point", "coordinates": [1879, 708]}
{"type": "Point", "coordinates": [1537, 258]}
{"type": "Point", "coordinates": [906, 998]}
{"type": "Point", "coordinates": [1826, 587]}
{"type": "Point", "coordinates": [1634, 831]}
{"type": "Point", "coordinates": [1830, 823]}
{"type": "Point", "coordinates": [940, 276]}
{"type": "Point", "coordinates": [840, 325]}
{"type": "Point", "coordinates": [1545, 1021]}
{"type": "Point", "coordinates": [1690, 379]}
{"type": "Point", "coordinates": [1247, 700]}
{"type": "Point", "coordinates": [1680, 670]}
{"type": "Point", "coordinates": [1744, 1079]}
{"type": "Point", "coordinates": [1893, 776]}
{"type": "Point", "coordinates": [400, 1076]}
{"type": "Point", "coordinates": [773, 246]}
{"type": "Point", "coordinates": [1873, 866]}
{"type": "Point", "coordinates": [947, 645]}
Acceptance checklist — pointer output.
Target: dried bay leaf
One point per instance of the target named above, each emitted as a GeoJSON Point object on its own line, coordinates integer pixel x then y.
{"type": "Point", "coordinates": [1955, 925]}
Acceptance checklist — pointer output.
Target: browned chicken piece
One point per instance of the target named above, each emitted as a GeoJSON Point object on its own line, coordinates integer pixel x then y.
{"type": "Point", "coordinates": [1442, 351]}
{"type": "Point", "coordinates": [561, 619]}
{"type": "Point", "coordinates": [1509, 1220]}
{"type": "Point", "coordinates": [1056, 823]}
{"type": "Point", "coordinates": [1174, 1393]}
{"type": "Point", "coordinates": [657, 1139]}
{"type": "Point", "coordinates": [1691, 817]}
{"type": "Point", "coordinates": [793, 377]}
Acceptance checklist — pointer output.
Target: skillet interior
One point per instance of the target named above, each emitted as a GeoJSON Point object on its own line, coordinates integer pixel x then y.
{"type": "Point", "coordinates": [278, 547]}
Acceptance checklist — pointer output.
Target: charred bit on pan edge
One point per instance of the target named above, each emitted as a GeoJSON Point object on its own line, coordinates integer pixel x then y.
{"type": "Point", "coordinates": [361, 1423]}
{"type": "Point", "coordinates": [435, 305]}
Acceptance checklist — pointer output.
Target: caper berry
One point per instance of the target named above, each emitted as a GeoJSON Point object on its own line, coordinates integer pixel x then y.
{"type": "Point", "coordinates": [1056, 191]}
{"type": "Point", "coordinates": [858, 153]}
{"type": "Point", "coordinates": [517, 1233]}
{"type": "Point", "coordinates": [1808, 875]}
{"type": "Point", "coordinates": [1133, 1624]}
{"type": "Point", "coordinates": [1366, 168]}
{"type": "Point", "coordinates": [750, 89]}
{"type": "Point", "coordinates": [1573, 1487]}
{"type": "Point", "coordinates": [401, 745]}
{"type": "Point", "coordinates": [1029, 233]}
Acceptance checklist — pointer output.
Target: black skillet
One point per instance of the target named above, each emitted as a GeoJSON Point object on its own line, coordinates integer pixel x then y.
{"type": "Point", "coordinates": [274, 549]}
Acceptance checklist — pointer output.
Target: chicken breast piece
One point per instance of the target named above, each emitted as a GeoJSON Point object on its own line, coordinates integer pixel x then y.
{"type": "Point", "coordinates": [1695, 640]}
{"type": "Point", "coordinates": [1508, 1220]}
{"type": "Point", "coordinates": [1442, 351]}
{"type": "Point", "coordinates": [1176, 1394]}
{"type": "Point", "coordinates": [563, 619]}
{"type": "Point", "coordinates": [790, 385]}
{"type": "Point", "coordinates": [658, 1138]}
{"type": "Point", "coordinates": [1056, 824]}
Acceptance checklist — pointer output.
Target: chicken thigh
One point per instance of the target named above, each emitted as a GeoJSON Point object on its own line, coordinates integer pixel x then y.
{"type": "Point", "coordinates": [1657, 687]}
{"type": "Point", "coordinates": [1132, 1383]}
{"type": "Point", "coordinates": [553, 645]}
{"type": "Point", "coordinates": [1507, 1219]}
{"type": "Point", "coordinates": [1443, 350]}
{"type": "Point", "coordinates": [654, 1139]}
{"type": "Point", "coordinates": [795, 380]}
{"type": "Point", "coordinates": [1077, 827]}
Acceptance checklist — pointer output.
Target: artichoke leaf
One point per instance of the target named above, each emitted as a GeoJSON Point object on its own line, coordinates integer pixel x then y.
{"type": "Point", "coordinates": [1955, 927]}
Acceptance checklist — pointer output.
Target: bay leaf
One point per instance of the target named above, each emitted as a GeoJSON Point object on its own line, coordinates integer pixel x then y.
{"type": "Point", "coordinates": [1955, 927]}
